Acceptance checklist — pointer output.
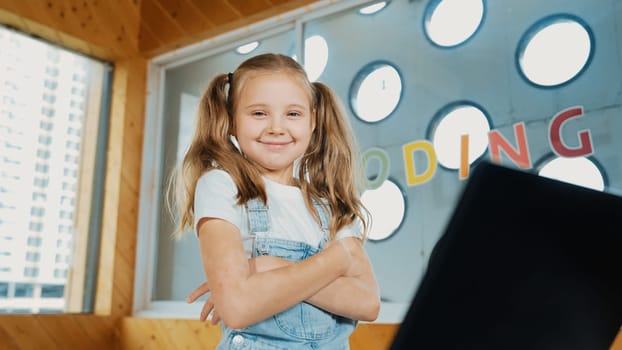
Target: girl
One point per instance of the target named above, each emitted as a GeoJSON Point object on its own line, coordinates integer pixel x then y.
{"type": "Point", "coordinates": [272, 158]}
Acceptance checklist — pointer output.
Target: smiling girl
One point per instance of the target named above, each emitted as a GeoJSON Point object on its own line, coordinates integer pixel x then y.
{"type": "Point", "coordinates": [273, 160]}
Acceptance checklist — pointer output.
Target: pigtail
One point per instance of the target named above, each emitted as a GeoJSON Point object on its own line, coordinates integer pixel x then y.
{"type": "Point", "coordinates": [331, 163]}
{"type": "Point", "coordinates": [211, 147]}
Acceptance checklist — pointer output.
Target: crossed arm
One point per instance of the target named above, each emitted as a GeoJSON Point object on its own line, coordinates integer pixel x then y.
{"type": "Point", "coordinates": [339, 279]}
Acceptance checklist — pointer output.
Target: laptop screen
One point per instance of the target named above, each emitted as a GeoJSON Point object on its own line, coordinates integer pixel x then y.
{"type": "Point", "coordinates": [525, 262]}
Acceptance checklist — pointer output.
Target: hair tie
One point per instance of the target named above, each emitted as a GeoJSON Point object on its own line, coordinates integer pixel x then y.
{"type": "Point", "coordinates": [230, 77]}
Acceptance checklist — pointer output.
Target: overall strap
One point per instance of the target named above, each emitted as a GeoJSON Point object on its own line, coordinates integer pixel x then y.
{"type": "Point", "coordinates": [258, 226]}
{"type": "Point", "coordinates": [324, 217]}
{"type": "Point", "coordinates": [258, 219]}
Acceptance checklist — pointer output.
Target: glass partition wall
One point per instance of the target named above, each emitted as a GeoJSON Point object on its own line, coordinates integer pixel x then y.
{"type": "Point", "coordinates": [415, 77]}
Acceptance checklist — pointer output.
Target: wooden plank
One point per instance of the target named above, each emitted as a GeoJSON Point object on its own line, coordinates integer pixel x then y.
{"type": "Point", "coordinates": [56, 332]}
{"type": "Point", "coordinates": [159, 22]}
{"type": "Point", "coordinates": [249, 7]}
{"type": "Point", "coordinates": [120, 222]}
{"type": "Point", "coordinates": [147, 40]}
{"type": "Point", "coordinates": [24, 330]}
{"type": "Point", "coordinates": [8, 341]}
{"type": "Point", "coordinates": [63, 16]}
{"type": "Point", "coordinates": [617, 342]}
{"type": "Point", "coordinates": [147, 333]}
{"type": "Point", "coordinates": [210, 10]}
{"type": "Point", "coordinates": [79, 25]}
{"type": "Point", "coordinates": [185, 16]}
{"type": "Point", "coordinates": [195, 8]}
{"type": "Point", "coordinates": [218, 11]}
{"type": "Point", "coordinates": [369, 336]}
{"type": "Point", "coordinates": [117, 30]}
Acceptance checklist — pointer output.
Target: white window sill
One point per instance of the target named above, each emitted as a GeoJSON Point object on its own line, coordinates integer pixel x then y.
{"type": "Point", "coordinates": [389, 312]}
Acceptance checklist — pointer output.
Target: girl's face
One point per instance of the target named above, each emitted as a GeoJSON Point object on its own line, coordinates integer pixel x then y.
{"type": "Point", "coordinates": [273, 123]}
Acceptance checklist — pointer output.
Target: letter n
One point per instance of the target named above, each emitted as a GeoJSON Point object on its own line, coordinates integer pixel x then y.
{"type": "Point", "coordinates": [497, 143]}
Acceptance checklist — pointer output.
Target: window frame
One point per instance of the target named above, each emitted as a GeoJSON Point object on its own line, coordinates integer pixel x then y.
{"type": "Point", "coordinates": [81, 275]}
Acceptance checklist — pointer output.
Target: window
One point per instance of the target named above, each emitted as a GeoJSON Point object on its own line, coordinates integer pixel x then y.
{"type": "Point", "coordinates": [60, 273]}
{"type": "Point", "coordinates": [73, 145]}
{"type": "Point", "coordinates": [548, 43]}
{"type": "Point", "coordinates": [23, 290]}
{"type": "Point", "coordinates": [61, 258]}
{"type": "Point", "coordinates": [77, 105]}
{"type": "Point", "coordinates": [40, 182]}
{"type": "Point", "coordinates": [31, 272]}
{"type": "Point", "coordinates": [34, 241]}
{"type": "Point", "coordinates": [376, 91]}
{"type": "Point", "coordinates": [45, 139]}
{"type": "Point", "coordinates": [53, 71]}
{"type": "Point", "coordinates": [52, 85]}
{"type": "Point", "coordinates": [39, 196]}
{"type": "Point", "coordinates": [77, 91]}
{"type": "Point", "coordinates": [37, 211]}
{"type": "Point", "coordinates": [47, 126]}
{"type": "Point", "coordinates": [74, 118]}
{"type": "Point", "coordinates": [49, 112]}
{"type": "Point", "coordinates": [68, 187]}
{"type": "Point", "coordinates": [66, 215]}
{"type": "Point", "coordinates": [52, 291]}
{"type": "Point", "coordinates": [49, 98]}
{"type": "Point", "coordinates": [316, 56]}
{"type": "Point", "coordinates": [388, 205]}
{"type": "Point", "coordinates": [452, 22]}
{"type": "Point", "coordinates": [450, 124]}
{"type": "Point", "coordinates": [42, 168]}
{"type": "Point", "coordinates": [35, 226]}
{"type": "Point", "coordinates": [44, 84]}
{"type": "Point", "coordinates": [65, 200]}
{"type": "Point", "coordinates": [73, 131]}
{"type": "Point", "coordinates": [43, 154]}
{"type": "Point", "coordinates": [580, 171]}
{"type": "Point", "coordinates": [33, 256]}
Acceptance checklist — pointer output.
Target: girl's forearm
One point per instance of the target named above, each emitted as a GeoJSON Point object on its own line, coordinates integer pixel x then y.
{"type": "Point", "coordinates": [266, 293]}
{"type": "Point", "coordinates": [352, 297]}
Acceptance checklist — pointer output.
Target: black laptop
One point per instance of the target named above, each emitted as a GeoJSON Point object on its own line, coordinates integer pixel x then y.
{"type": "Point", "coordinates": [525, 262]}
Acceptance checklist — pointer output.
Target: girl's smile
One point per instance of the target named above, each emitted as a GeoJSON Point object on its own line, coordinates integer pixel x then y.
{"type": "Point", "coordinates": [273, 123]}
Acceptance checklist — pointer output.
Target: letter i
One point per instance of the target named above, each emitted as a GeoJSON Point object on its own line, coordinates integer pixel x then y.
{"type": "Point", "coordinates": [464, 156]}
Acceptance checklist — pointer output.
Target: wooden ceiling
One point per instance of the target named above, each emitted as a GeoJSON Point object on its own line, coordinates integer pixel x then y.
{"type": "Point", "coordinates": [169, 24]}
{"type": "Point", "coordinates": [111, 29]}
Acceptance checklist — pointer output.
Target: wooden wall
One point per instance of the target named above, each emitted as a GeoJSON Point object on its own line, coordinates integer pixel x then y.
{"type": "Point", "coordinates": [139, 333]}
{"type": "Point", "coordinates": [169, 24]}
{"type": "Point", "coordinates": [128, 33]}
{"type": "Point", "coordinates": [94, 28]}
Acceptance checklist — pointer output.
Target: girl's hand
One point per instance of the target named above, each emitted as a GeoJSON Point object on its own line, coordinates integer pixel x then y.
{"type": "Point", "coordinates": [208, 306]}
{"type": "Point", "coordinates": [198, 292]}
{"type": "Point", "coordinates": [353, 247]}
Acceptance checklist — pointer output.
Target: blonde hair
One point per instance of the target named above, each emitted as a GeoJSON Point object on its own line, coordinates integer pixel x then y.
{"type": "Point", "coordinates": [328, 170]}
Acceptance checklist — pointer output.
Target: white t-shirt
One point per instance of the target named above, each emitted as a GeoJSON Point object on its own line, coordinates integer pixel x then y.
{"type": "Point", "coordinates": [215, 197]}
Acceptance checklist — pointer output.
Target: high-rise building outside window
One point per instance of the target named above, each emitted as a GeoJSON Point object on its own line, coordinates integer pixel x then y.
{"type": "Point", "coordinates": [53, 120]}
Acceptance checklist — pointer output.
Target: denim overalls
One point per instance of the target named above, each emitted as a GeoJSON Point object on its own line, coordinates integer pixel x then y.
{"type": "Point", "coordinates": [303, 326]}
